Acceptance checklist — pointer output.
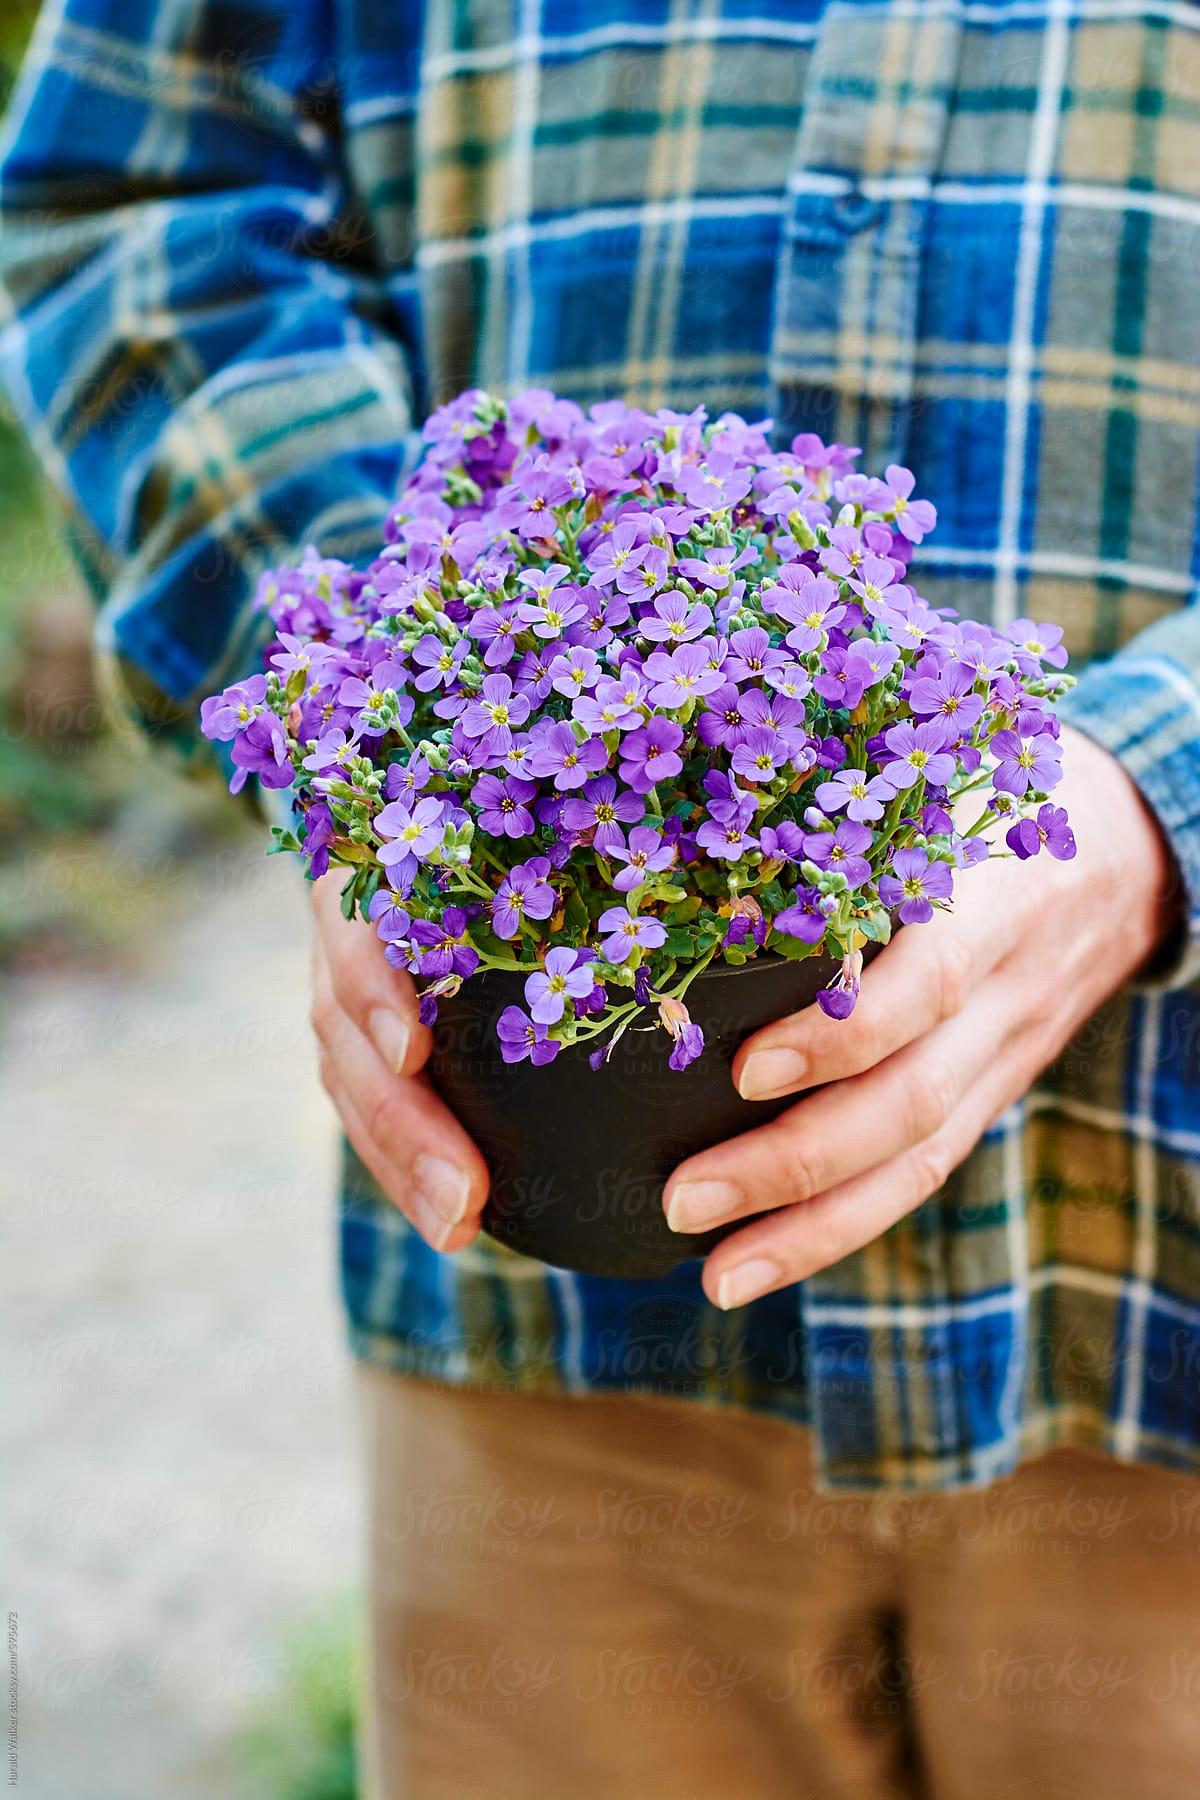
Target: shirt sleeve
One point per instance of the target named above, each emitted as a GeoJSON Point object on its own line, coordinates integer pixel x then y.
{"type": "Point", "coordinates": [1143, 705]}
{"type": "Point", "coordinates": [207, 364]}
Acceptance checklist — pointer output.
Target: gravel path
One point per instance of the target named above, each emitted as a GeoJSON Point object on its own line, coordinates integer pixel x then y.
{"type": "Point", "coordinates": [179, 1443]}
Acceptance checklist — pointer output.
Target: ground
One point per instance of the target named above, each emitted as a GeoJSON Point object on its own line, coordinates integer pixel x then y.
{"type": "Point", "coordinates": [180, 1486]}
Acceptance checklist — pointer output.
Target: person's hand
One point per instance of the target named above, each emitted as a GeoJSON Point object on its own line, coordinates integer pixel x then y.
{"type": "Point", "coordinates": [954, 1022]}
{"type": "Point", "coordinates": [372, 1046]}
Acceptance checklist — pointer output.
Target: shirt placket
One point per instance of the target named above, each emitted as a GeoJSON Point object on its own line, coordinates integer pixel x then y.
{"type": "Point", "coordinates": [879, 94]}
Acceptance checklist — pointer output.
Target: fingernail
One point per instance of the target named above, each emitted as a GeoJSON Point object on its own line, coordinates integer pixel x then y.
{"type": "Point", "coordinates": [389, 1034]}
{"type": "Point", "coordinates": [441, 1188]}
{"type": "Point", "coordinates": [771, 1072]}
{"type": "Point", "coordinates": [695, 1205]}
{"type": "Point", "coordinates": [747, 1281]}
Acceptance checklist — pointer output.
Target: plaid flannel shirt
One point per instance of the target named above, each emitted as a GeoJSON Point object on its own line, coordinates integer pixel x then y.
{"type": "Point", "coordinates": [249, 242]}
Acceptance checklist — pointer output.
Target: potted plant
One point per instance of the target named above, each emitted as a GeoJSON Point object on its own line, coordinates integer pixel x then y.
{"type": "Point", "coordinates": [634, 737]}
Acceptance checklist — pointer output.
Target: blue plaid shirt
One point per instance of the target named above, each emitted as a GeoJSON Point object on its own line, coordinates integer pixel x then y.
{"type": "Point", "coordinates": [248, 243]}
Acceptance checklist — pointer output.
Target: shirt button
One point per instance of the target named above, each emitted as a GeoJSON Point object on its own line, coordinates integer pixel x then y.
{"type": "Point", "coordinates": [854, 210]}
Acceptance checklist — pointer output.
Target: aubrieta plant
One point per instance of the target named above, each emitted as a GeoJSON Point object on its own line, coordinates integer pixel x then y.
{"type": "Point", "coordinates": [625, 693]}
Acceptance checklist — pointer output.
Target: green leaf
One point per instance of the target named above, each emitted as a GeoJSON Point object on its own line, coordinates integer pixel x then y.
{"type": "Point", "coordinates": [791, 947]}
{"type": "Point", "coordinates": [877, 927]}
{"type": "Point", "coordinates": [681, 943]}
{"type": "Point", "coordinates": [575, 915]}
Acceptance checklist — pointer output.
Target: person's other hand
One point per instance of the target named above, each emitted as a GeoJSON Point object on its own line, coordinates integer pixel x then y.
{"type": "Point", "coordinates": [372, 1047]}
{"type": "Point", "coordinates": [954, 1022]}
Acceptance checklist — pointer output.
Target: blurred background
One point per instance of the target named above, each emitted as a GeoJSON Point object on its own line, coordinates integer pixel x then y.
{"type": "Point", "coordinates": [180, 1510]}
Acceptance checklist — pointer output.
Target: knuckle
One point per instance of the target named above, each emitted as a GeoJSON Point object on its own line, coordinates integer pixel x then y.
{"type": "Point", "coordinates": [954, 966]}
{"type": "Point", "coordinates": [932, 1164]}
{"type": "Point", "coordinates": [826, 1241]}
{"type": "Point", "coordinates": [931, 1091]}
{"type": "Point", "coordinates": [385, 1118]}
{"type": "Point", "coordinates": [320, 1017]}
{"type": "Point", "coordinates": [326, 1073]}
{"type": "Point", "coordinates": [796, 1169]}
{"type": "Point", "coordinates": [802, 1175]}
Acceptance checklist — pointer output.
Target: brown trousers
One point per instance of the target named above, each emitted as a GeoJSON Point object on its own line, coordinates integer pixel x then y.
{"type": "Point", "coordinates": [638, 1599]}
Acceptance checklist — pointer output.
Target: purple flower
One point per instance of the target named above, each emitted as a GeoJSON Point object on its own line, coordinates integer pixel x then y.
{"type": "Point", "coordinates": [558, 752]}
{"type": "Point", "coordinates": [810, 603]}
{"type": "Point", "coordinates": [1024, 763]}
{"type": "Point", "coordinates": [645, 854]}
{"type": "Point", "coordinates": [623, 933]}
{"type": "Point", "coordinates": [503, 803]}
{"type": "Point", "coordinates": [842, 681]}
{"type": "Point", "coordinates": [333, 751]}
{"type": "Point", "coordinates": [874, 581]}
{"type": "Point", "coordinates": [548, 989]}
{"type": "Point", "coordinates": [492, 716]}
{"type": "Point", "coordinates": [863, 796]}
{"type": "Point", "coordinates": [649, 754]}
{"type": "Point", "coordinates": [842, 850]}
{"type": "Point", "coordinates": [758, 756]}
{"type": "Point", "coordinates": [688, 1046]}
{"type": "Point", "coordinates": [496, 627]}
{"type": "Point", "coordinates": [722, 722]}
{"type": "Point", "coordinates": [646, 571]}
{"type": "Point", "coordinates": [727, 839]}
{"type": "Point", "coordinates": [715, 568]}
{"type": "Point", "coordinates": [438, 661]}
{"type": "Point", "coordinates": [948, 696]}
{"type": "Point", "coordinates": [1051, 828]}
{"type": "Point", "coordinates": [521, 1037]}
{"type": "Point", "coordinates": [261, 749]}
{"type": "Point", "coordinates": [913, 883]}
{"type": "Point", "coordinates": [681, 675]}
{"type": "Point", "coordinates": [621, 549]}
{"type": "Point", "coordinates": [603, 810]}
{"type": "Point", "coordinates": [523, 894]}
{"type": "Point", "coordinates": [549, 613]}
{"type": "Point", "coordinates": [804, 919]}
{"type": "Point", "coordinates": [913, 517]}
{"type": "Point", "coordinates": [1040, 644]}
{"type": "Point", "coordinates": [616, 704]}
{"type": "Point", "coordinates": [575, 671]}
{"type": "Point", "coordinates": [752, 656]}
{"type": "Point", "coordinates": [414, 831]}
{"type": "Point", "coordinates": [440, 946]}
{"type": "Point", "coordinates": [784, 841]}
{"type": "Point", "coordinates": [917, 751]}
{"type": "Point", "coordinates": [674, 619]}
{"type": "Point", "coordinates": [231, 711]}
{"type": "Point", "coordinates": [715, 490]}
{"type": "Point", "coordinates": [839, 999]}
{"type": "Point", "coordinates": [541, 490]}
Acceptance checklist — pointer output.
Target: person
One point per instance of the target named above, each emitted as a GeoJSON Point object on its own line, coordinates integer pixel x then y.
{"type": "Point", "coordinates": [248, 244]}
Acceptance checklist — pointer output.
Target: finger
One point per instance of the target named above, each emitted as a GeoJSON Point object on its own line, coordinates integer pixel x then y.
{"type": "Point", "coordinates": [923, 977]}
{"type": "Point", "coordinates": [416, 1150]}
{"type": "Point", "coordinates": [850, 1126]}
{"type": "Point", "coordinates": [382, 1001]}
{"type": "Point", "coordinates": [791, 1245]}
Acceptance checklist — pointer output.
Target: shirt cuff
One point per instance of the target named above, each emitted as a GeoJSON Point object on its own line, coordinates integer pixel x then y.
{"type": "Point", "coordinates": [1145, 710]}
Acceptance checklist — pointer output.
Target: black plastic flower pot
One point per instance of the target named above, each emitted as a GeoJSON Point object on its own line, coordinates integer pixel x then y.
{"type": "Point", "coordinates": [579, 1157]}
